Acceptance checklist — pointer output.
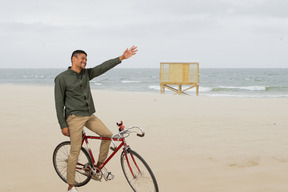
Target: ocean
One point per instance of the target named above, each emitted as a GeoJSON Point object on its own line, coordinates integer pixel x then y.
{"type": "Point", "coordinates": [213, 82]}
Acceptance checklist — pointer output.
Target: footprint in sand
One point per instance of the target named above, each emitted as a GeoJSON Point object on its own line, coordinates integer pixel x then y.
{"type": "Point", "coordinates": [251, 162]}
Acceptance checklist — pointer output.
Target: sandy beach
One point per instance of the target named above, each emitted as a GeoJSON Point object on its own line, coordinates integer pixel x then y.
{"type": "Point", "coordinates": [201, 144]}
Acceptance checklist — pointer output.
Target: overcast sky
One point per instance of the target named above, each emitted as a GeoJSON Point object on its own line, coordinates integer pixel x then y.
{"type": "Point", "coordinates": [217, 33]}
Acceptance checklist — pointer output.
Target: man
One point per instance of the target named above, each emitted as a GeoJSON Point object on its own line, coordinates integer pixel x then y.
{"type": "Point", "coordinates": [75, 107]}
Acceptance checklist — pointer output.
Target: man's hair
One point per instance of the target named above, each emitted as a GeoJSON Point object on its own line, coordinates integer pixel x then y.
{"type": "Point", "coordinates": [77, 52]}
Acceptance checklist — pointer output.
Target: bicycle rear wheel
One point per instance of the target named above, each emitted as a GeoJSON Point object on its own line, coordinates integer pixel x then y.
{"type": "Point", "coordinates": [60, 160]}
{"type": "Point", "coordinates": [137, 172]}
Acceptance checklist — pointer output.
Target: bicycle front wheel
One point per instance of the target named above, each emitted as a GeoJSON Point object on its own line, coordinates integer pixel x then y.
{"type": "Point", "coordinates": [137, 172]}
{"type": "Point", "coordinates": [60, 160]}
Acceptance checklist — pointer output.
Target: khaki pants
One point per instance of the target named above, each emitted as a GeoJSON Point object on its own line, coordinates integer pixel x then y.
{"type": "Point", "coordinates": [76, 124]}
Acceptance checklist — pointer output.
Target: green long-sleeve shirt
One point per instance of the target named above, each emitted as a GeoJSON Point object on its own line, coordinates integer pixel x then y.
{"type": "Point", "coordinates": [72, 91]}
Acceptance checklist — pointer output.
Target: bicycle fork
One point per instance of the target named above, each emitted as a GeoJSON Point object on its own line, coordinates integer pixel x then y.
{"type": "Point", "coordinates": [131, 163]}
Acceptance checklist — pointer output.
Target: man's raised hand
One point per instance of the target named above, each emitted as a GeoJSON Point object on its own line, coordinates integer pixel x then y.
{"type": "Point", "coordinates": [128, 53]}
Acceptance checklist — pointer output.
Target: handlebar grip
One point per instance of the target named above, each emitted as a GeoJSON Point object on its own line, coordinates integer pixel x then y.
{"type": "Point", "coordinates": [141, 135]}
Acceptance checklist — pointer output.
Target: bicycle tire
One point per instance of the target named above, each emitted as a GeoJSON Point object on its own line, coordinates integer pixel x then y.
{"type": "Point", "coordinates": [142, 179]}
{"type": "Point", "coordinates": [60, 160]}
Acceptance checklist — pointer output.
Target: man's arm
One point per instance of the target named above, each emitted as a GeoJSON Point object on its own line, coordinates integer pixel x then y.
{"type": "Point", "coordinates": [59, 92]}
{"type": "Point", "coordinates": [107, 65]}
{"type": "Point", "coordinates": [102, 68]}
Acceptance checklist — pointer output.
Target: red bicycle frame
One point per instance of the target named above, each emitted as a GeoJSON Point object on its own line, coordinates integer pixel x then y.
{"type": "Point", "coordinates": [85, 139]}
{"type": "Point", "coordinates": [123, 144]}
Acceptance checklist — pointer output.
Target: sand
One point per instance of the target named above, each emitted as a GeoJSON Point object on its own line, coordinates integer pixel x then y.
{"type": "Point", "coordinates": [201, 144]}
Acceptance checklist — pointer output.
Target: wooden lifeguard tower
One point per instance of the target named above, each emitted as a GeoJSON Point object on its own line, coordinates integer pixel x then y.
{"type": "Point", "coordinates": [179, 74]}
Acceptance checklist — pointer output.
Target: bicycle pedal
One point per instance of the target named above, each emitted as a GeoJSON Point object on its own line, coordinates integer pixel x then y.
{"type": "Point", "coordinates": [109, 176]}
{"type": "Point", "coordinates": [113, 148]}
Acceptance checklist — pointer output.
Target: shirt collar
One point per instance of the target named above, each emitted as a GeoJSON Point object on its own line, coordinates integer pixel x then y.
{"type": "Point", "coordinates": [74, 72]}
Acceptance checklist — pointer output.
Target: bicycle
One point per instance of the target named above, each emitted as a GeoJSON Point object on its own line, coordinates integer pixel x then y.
{"type": "Point", "coordinates": [136, 171]}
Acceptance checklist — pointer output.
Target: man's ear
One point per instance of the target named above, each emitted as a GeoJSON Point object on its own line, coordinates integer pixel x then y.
{"type": "Point", "coordinates": [73, 59]}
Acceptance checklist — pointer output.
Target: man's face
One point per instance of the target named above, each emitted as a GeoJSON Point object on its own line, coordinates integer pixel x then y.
{"type": "Point", "coordinates": [80, 61]}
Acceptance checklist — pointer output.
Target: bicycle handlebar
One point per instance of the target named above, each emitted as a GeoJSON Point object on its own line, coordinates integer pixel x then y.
{"type": "Point", "coordinates": [125, 132]}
